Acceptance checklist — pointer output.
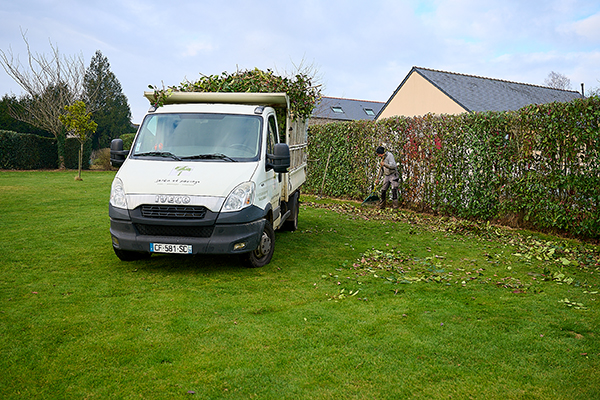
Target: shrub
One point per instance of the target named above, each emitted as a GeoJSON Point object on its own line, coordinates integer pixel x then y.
{"type": "Point", "coordinates": [127, 139]}
{"type": "Point", "coordinates": [101, 160]}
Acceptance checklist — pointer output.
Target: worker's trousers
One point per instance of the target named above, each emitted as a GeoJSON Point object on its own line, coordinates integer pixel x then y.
{"type": "Point", "coordinates": [392, 180]}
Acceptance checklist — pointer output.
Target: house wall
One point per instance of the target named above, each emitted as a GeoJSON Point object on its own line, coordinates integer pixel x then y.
{"type": "Point", "coordinates": [418, 96]}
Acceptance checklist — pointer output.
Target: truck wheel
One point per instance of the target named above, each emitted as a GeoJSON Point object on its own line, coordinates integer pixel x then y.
{"type": "Point", "coordinates": [264, 252]}
{"type": "Point", "coordinates": [125, 255]}
{"type": "Point", "coordinates": [291, 224]}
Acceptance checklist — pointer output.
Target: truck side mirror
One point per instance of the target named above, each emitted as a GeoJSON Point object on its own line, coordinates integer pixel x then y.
{"type": "Point", "coordinates": [280, 160]}
{"type": "Point", "coordinates": [117, 154]}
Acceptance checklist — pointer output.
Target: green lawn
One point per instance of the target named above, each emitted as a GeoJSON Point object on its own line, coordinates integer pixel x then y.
{"type": "Point", "coordinates": [356, 304]}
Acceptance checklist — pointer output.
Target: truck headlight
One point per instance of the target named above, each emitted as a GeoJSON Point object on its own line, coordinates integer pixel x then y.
{"type": "Point", "coordinates": [240, 197]}
{"type": "Point", "coordinates": [117, 194]}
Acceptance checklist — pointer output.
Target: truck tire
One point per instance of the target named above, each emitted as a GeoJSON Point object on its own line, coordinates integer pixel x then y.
{"type": "Point", "coordinates": [125, 255]}
{"type": "Point", "coordinates": [262, 255]}
{"type": "Point", "coordinates": [291, 224]}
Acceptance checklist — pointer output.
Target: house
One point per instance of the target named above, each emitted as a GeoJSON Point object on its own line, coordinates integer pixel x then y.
{"type": "Point", "coordinates": [429, 91]}
{"type": "Point", "coordinates": [333, 109]}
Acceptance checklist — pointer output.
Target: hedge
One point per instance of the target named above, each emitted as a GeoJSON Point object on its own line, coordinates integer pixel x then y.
{"type": "Point", "coordinates": [537, 167]}
{"type": "Point", "coordinates": [72, 147]}
{"type": "Point", "coordinates": [29, 151]}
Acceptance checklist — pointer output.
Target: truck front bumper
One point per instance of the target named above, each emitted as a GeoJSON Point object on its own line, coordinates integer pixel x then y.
{"type": "Point", "coordinates": [230, 238]}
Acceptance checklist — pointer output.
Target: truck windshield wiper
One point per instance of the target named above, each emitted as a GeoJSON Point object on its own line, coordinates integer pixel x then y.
{"type": "Point", "coordinates": [214, 156]}
{"type": "Point", "coordinates": [159, 154]}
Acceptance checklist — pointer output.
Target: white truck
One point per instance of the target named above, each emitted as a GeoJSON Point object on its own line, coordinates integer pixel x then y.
{"type": "Point", "coordinates": [208, 173]}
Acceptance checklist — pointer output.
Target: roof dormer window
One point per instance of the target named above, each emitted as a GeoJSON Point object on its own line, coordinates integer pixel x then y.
{"type": "Point", "coordinates": [369, 111]}
{"type": "Point", "coordinates": [337, 109]}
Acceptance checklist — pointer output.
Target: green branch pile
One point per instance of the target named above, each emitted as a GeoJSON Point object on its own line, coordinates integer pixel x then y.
{"type": "Point", "coordinates": [302, 93]}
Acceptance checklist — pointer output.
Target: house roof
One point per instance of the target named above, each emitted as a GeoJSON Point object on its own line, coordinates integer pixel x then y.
{"type": "Point", "coordinates": [346, 109]}
{"type": "Point", "coordinates": [475, 93]}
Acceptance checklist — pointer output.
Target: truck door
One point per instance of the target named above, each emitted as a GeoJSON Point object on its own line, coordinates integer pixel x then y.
{"type": "Point", "coordinates": [274, 180]}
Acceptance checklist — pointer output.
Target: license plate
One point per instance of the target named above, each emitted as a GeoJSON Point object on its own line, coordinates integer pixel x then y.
{"type": "Point", "coordinates": [171, 248]}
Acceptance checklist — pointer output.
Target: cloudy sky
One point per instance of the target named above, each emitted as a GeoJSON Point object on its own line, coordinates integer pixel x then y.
{"type": "Point", "coordinates": [359, 49]}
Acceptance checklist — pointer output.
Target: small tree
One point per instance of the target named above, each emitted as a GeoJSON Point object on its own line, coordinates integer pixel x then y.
{"type": "Point", "coordinates": [78, 122]}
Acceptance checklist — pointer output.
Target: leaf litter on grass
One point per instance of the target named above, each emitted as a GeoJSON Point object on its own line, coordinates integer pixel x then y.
{"type": "Point", "coordinates": [559, 261]}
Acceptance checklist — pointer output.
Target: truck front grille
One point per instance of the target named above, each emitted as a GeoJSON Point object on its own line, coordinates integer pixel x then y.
{"type": "Point", "coordinates": [180, 231]}
{"type": "Point", "coordinates": [173, 211]}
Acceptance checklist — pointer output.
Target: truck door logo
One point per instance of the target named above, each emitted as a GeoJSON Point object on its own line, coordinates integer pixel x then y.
{"type": "Point", "coordinates": [181, 171]}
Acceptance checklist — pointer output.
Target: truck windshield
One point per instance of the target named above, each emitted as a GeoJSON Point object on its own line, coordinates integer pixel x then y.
{"type": "Point", "coordinates": [203, 137]}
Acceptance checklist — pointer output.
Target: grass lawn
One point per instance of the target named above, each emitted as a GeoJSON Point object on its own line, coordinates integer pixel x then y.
{"type": "Point", "coordinates": [356, 304]}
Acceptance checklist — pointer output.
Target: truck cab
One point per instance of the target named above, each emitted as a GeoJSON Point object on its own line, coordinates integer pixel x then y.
{"type": "Point", "coordinates": [208, 173]}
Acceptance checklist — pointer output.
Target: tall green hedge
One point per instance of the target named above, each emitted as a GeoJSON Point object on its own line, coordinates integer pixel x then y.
{"type": "Point", "coordinates": [27, 151]}
{"type": "Point", "coordinates": [537, 167]}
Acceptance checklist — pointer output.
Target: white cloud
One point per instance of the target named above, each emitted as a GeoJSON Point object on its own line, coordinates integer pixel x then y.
{"type": "Point", "coordinates": [587, 28]}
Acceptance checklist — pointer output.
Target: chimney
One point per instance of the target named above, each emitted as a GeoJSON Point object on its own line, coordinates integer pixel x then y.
{"type": "Point", "coordinates": [582, 91]}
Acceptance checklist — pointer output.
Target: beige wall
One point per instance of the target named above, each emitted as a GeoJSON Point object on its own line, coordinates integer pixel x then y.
{"type": "Point", "coordinates": [418, 97]}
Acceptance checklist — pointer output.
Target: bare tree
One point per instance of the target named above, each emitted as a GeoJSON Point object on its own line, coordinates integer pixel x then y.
{"type": "Point", "coordinates": [50, 82]}
{"type": "Point", "coordinates": [558, 81]}
{"type": "Point", "coordinates": [594, 91]}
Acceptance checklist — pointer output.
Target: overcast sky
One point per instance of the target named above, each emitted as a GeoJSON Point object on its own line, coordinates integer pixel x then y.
{"type": "Point", "coordinates": [360, 49]}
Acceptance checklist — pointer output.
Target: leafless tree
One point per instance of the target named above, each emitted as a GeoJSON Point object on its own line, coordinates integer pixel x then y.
{"type": "Point", "coordinates": [557, 80]}
{"type": "Point", "coordinates": [594, 91]}
{"type": "Point", "coordinates": [49, 81]}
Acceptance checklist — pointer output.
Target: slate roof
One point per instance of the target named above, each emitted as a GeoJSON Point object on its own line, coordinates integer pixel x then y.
{"type": "Point", "coordinates": [347, 109]}
{"type": "Point", "coordinates": [475, 93]}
